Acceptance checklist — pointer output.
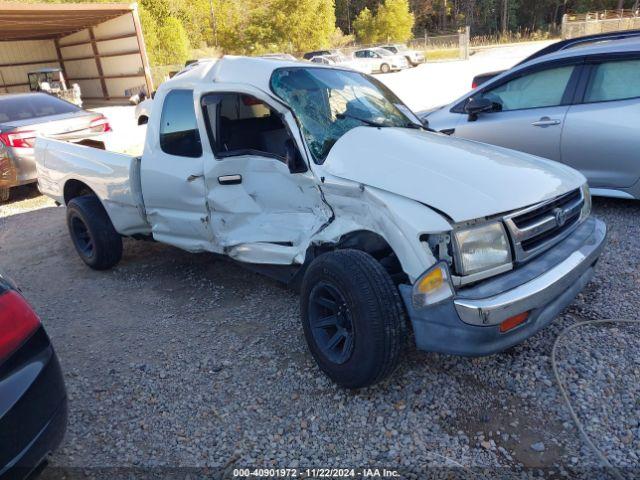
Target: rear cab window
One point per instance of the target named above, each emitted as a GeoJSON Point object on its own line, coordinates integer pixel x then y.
{"type": "Point", "coordinates": [35, 105]}
{"type": "Point", "coordinates": [179, 133]}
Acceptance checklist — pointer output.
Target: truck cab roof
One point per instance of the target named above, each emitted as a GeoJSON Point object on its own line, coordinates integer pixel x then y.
{"type": "Point", "coordinates": [255, 71]}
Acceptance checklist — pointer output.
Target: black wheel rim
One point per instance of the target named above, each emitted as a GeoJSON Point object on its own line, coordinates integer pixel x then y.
{"type": "Point", "coordinates": [82, 237]}
{"type": "Point", "coordinates": [331, 324]}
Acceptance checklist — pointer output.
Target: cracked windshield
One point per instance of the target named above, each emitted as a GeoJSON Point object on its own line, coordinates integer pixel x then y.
{"type": "Point", "coordinates": [328, 103]}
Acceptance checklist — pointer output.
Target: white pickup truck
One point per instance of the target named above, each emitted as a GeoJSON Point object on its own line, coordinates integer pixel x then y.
{"type": "Point", "coordinates": [323, 178]}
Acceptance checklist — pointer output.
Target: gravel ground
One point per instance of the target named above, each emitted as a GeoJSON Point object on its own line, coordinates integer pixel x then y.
{"type": "Point", "coordinates": [613, 424]}
{"type": "Point", "coordinates": [174, 359]}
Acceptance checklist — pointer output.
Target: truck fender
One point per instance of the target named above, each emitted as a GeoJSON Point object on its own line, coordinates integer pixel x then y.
{"type": "Point", "coordinates": [399, 221]}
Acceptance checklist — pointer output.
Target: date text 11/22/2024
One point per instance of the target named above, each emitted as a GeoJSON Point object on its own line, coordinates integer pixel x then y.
{"type": "Point", "coordinates": [315, 473]}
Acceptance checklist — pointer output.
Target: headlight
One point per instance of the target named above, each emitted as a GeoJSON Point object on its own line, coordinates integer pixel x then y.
{"type": "Point", "coordinates": [586, 207]}
{"type": "Point", "coordinates": [482, 248]}
{"type": "Point", "coordinates": [432, 287]}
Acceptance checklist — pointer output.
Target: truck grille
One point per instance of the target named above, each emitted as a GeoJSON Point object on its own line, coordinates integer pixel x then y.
{"type": "Point", "coordinates": [536, 228]}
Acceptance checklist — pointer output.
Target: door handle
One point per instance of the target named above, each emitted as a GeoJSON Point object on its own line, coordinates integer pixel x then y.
{"type": "Point", "coordinates": [545, 122]}
{"type": "Point", "coordinates": [230, 179]}
{"type": "Point", "coordinates": [191, 178]}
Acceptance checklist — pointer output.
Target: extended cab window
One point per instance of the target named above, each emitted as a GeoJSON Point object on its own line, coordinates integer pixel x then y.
{"type": "Point", "coordinates": [240, 124]}
{"type": "Point", "coordinates": [178, 127]}
{"type": "Point", "coordinates": [544, 88]}
{"type": "Point", "coordinates": [618, 80]}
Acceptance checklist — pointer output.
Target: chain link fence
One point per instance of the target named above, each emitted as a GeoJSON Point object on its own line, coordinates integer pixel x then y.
{"type": "Point", "coordinates": [579, 25]}
{"type": "Point", "coordinates": [452, 46]}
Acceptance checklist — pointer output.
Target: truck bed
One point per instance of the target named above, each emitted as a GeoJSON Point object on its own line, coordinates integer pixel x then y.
{"type": "Point", "coordinates": [113, 177]}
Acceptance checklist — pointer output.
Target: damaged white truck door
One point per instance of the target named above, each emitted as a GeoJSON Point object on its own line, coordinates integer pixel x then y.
{"type": "Point", "coordinates": [263, 206]}
{"type": "Point", "coordinates": [173, 184]}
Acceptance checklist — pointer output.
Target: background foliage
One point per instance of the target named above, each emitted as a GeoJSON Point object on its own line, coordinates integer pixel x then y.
{"type": "Point", "coordinates": [174, 30]}
{"type": "Point", "coordinates": [392, 22]}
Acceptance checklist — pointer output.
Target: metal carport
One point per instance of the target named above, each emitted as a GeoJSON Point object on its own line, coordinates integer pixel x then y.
{"type": "Point", "coordinates": [98, 46]}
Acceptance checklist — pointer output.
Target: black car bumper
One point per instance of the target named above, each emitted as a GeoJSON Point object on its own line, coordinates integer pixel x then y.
{"type": "Point", "coordinates": [33, 407]}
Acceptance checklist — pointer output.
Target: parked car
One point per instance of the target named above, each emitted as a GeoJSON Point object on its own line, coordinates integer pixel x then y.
{"type": "Point", "coordinates": [361, 65]}
{"type": "Point", "coordinates": [280, 56]}
{"type": "Point", "coordinates": [321, 177]}
{"type": "Point", "coordinates": [324, 60]}
{"type": "Point", "coordinates": [414, 57]}
{"type": "Point", "coordinates": [33, 399]}
{"type": "Point", "coordinates": [579, 106]}
{"type": "Point", "coordinates": [558, 46]}
{"type": "Point", "coordinates": [142, 111]}
{"type": "Point", "coordinates": [318, 53]}
{"type": "Point", "coordinates": [382, 60]}
{"type": "Point", "coordinates": [24, 116]}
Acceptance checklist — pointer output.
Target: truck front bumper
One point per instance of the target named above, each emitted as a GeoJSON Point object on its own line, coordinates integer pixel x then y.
{"type": "Point", "coordinates": [469, 323]}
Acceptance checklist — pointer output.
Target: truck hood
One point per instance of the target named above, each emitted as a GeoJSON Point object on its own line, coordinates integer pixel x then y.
{"type": "Point", "coordinates": [464, 179]}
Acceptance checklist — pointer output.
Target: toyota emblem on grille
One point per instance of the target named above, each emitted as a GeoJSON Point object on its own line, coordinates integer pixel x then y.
{"type": "Point", "coordinates": [560, 215]}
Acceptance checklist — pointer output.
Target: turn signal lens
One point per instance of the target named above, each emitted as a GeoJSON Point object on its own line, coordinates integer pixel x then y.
{"type": "Point", "coordinates": [432, 287]}
{"type": "Point", "coordinates": [19, 139]}
{"type": "Point", "coordinates": [513, 322]}
{"type": "Point", "coordinates": [431, 281]}
{"type": "Point", "coordinates": [100, 124]}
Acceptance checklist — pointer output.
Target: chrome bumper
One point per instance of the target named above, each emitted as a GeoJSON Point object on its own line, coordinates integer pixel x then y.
{"type": "Point", "coordinates": [536, 293]}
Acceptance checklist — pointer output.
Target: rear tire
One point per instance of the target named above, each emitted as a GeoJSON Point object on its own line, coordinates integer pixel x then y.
{"type": "Point", "coordinates": [348, 295]}
{"type": "Point", "coordinates": [5, 193]}
{"type": "Point", "coordinates": [92, 233]}
{"type": "Point", "coordinates": [385, 68]}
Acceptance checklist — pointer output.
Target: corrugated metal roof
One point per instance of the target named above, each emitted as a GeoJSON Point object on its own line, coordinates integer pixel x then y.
{"type": "Point", "coordinates": [19, 21]}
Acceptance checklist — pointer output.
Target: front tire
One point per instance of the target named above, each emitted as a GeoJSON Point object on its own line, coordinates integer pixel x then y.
{"type": "Point", "coordinates": [353, 318]}
{"type": "Point", "coordinates": [385, 68]}
{"type": "Point", "coordinates": [92, 233]}
{"type": "Point", "coordinates": [5, 193]}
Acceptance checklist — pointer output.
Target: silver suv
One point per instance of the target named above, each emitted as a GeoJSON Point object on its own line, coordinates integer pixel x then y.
{"type": "Point", "coordinates": [579, 106]}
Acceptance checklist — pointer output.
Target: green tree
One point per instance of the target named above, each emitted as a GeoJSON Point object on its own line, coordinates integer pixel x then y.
{"type": "Point", "coordinates": [231, 20]}
{"type": "Point", "coordinates": [150, 33]}
{"type": "Point", "coordinates": [365, 26]}
{"type": "Point", "coordinates": [300, 25]}
{"type": "Point", "coordinates": [394, 21]}
{"type": "Point", "coordinates": [172, 43]}
{"type": "Point", "coordinates": [195, 17]}
{"type": "Point", "coordinates": [339, 40]}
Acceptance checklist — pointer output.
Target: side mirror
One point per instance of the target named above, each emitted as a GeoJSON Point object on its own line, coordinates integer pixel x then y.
{"type": "Point", "coordinates": [476, 106]}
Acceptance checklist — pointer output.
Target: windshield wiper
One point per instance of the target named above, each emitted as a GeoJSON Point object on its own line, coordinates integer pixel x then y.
{"type": "Point", "coordinates": [342, 116]}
